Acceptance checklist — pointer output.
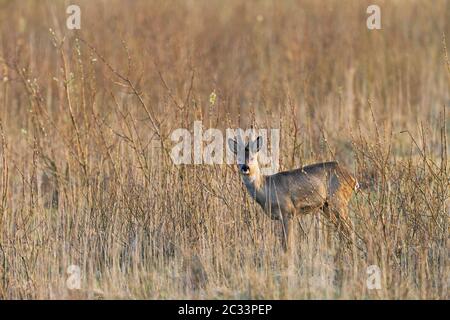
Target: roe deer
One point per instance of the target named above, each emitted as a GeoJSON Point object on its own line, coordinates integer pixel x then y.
{"type": "Point", "coordinates": [322, 186]}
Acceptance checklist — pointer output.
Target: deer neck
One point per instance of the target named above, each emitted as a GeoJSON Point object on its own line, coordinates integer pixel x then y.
{"type": "Point", "coordinates": [255, 184]}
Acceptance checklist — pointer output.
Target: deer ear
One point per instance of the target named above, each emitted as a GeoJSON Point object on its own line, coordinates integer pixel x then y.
{"type": "Point", "coordinates": [232, 144]}
{"type": "Point", "coordinates": [257, 144]}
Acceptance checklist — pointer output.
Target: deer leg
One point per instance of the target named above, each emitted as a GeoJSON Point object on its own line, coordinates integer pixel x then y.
{"type": "Point", "coordinates": [338, 215]}
{"type": "Point", "coordinates": [344, 223]}
{"type": "Point", "coordinates": [288, 258]}
{"type": "Point", "coordinates": [287, 232]}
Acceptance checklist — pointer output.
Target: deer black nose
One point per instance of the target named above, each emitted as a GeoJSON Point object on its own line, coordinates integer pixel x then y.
{"type": "Point", "coordinates": [244, 168]}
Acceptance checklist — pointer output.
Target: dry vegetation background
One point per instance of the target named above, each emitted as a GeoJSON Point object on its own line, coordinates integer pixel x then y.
{"type": "Point", "coordinates": [86, 118]}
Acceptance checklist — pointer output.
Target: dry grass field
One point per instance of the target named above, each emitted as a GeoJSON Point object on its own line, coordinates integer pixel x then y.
{"type": "Point", "coordinates": [85, 123]}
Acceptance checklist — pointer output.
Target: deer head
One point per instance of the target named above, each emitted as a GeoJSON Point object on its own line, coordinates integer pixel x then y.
{"type": "Point", "coordinates": [246, 154]}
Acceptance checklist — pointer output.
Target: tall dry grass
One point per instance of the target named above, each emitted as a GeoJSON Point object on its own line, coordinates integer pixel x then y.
{"type": "Point", "coordinates": [85, 122]}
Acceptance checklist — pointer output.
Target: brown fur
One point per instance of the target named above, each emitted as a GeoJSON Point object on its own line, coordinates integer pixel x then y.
{"type": "Point", "coordinates": [323, 186]}
{"type": "Point", "coordinates": [326, 186]}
